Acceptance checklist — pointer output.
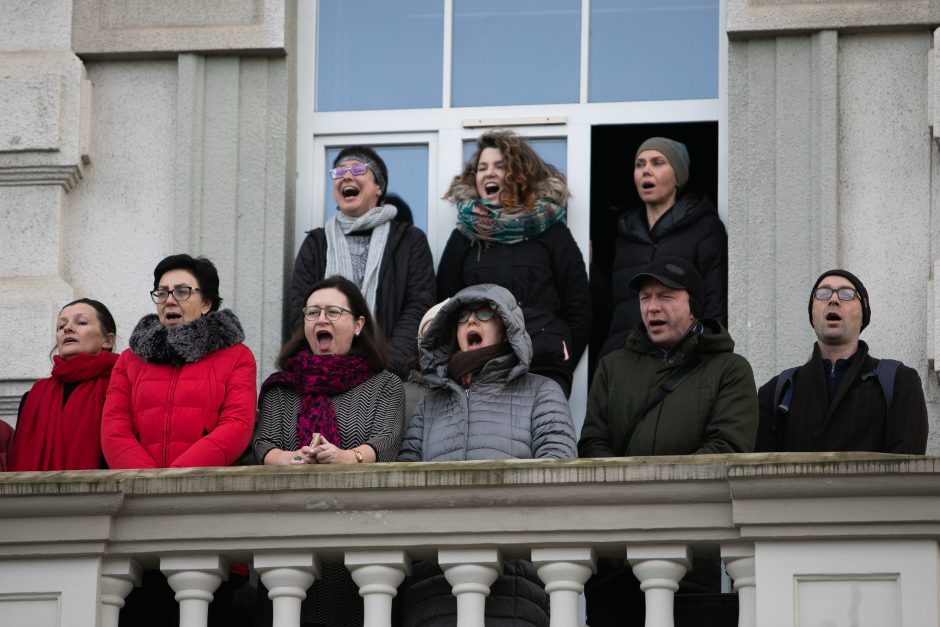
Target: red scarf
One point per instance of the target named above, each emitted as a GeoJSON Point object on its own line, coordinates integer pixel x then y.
{"type": "Point", "coordinates": [52, 437]}
{"type": "Point", "coordinates": [316, 378]}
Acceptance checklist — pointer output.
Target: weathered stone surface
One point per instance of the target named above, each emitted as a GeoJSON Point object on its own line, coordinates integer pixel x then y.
{"type": "Point", "coordinates": [748, 18]}
{"type": "Point", "coordinates": [143, 28]}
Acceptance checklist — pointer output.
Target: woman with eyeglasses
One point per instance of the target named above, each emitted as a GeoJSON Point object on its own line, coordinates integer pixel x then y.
{"type": "Point", "coordinates": [511, 230]}
{"type": "Point", "coordinates": [183, 394]}
{"type": "Point", "coordinates": [483, 404]}
{"type": "Point", "coordinates": [332, 401]}
{"type": "Point", "coordinates": [671, 221]}
{"type": "Point", "coordinates": [388, 260]}
{"type": "Point", "coordinates": [58, 426]}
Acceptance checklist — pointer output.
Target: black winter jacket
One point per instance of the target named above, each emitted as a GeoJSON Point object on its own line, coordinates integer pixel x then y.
{"type": "Point", "coordinates": [856, 420]}
{"type": "Point", "coordinates": [405, 293]}
{"type": "Point", "coordinates": [547, 276]}
{"type": "Point", "coordinates": [691, 229]}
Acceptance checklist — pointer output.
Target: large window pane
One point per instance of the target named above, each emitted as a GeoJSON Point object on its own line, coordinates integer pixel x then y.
{"type": "Point", "coordinates": [379, 54]}
{"type": "Point", "coordinates": [653, 50]}
{"type": "Point", "coordinates": [518, 52]}
{"type": "Point", "coordinates": [553, 151]}
{"type": "Point", "coordinates": [407, 177]}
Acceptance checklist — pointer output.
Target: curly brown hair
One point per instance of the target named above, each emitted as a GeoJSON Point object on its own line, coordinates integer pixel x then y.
{"type": "Point", "coordinates": [524, 169]}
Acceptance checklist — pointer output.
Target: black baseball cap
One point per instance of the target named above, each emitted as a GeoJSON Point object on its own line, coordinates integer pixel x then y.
{"type": "Point", "coordinates": [677, 273]}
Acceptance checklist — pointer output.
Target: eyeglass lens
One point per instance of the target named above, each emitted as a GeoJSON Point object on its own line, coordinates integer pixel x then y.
{"type": "Point", "coordinates": [357, 169]}
{"type": "Point", "coordinates": [844, 293]}
{"type": "Point", "coordinates": [483, 314]}
{"type": "Point", "coordinates": [332, 313]}
{"type": "Point", "coordinates": [180, 293]}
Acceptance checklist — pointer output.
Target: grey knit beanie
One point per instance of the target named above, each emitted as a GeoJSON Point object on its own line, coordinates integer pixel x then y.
{"type": "Point", "coordinates": [676, 153]}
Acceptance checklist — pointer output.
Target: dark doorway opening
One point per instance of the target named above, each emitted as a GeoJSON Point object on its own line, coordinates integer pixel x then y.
{"type": "Point", "coordinates": [613, 148]}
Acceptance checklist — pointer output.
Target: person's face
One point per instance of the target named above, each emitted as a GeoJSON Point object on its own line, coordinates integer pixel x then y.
{"type": "Point", "coordinates": [172, 312]}
{"type": "Point", "coordinates": [837, 322]}
{"type": "Point", "coordinates": [654, 178]}
{"type": "Point", "coordinates": [331, 337]}
{"type": "Point", "coordinates": [491, 174]}
{"type": "Point", "coordinates": [354, 195]}
{"type": "Point", "coordinates": [78, 330]}
{"type": "Point", "coordinates": [666, 313]}
{"type": "Point", "coordinates": [474, 333]}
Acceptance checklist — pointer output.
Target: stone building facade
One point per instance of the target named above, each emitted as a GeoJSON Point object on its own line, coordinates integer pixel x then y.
{"type": "Point", "coordinates": [130, 130]}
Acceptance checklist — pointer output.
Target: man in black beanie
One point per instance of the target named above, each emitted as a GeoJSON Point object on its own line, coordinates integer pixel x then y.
{"type": "Point", "coordinates": [843, 399]}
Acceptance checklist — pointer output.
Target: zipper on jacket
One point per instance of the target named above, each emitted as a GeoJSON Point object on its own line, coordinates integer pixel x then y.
{"type": "Point", "coordinates": [166, 417]}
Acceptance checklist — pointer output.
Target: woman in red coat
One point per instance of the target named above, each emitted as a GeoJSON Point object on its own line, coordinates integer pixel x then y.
{"type": "Point", "coordinates": [183, 394]}
{"type": "Point", "coordinates": [58, 426]}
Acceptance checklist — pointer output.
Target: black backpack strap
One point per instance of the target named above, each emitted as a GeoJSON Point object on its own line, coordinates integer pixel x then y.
{"type": "Point", "coordinates": [672, 383]}
{"type": "Point", "coordinates": [783, 397]}
{"type": "Point", "coordinates": [885, 370]}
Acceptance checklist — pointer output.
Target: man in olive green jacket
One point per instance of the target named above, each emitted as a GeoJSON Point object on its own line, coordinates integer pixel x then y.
{"type": "Point", "coordinates": [676, 387]}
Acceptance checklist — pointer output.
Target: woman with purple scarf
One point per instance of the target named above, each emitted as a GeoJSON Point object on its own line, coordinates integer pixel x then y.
{"type": "Point", "coordinates": [331, 402]}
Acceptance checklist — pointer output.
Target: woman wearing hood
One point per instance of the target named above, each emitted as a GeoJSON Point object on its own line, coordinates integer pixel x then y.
{"type": "Point", "coordinates": [389, 261]}
{"type": "Point", "coordinates": [183, 394]}
{"type": "Point", "coordinates": [511, 231]}
{"type": "Point", "coordinates": [483, 404]}
{"type": "Point", "coordinates": [671, 222]}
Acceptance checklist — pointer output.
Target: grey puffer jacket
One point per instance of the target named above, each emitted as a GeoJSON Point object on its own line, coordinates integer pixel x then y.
{"type": "Point", "coordinates": [506, 413]}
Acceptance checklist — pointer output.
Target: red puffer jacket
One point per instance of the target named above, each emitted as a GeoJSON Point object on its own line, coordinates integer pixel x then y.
{"type": "Point", "coordinates": [160, 415]}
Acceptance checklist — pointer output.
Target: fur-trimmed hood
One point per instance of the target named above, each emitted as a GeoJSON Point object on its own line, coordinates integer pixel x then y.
{"type": "Point", "coordinates": [185, 343]}
{"type": "Point", "coordinates": [552, 188]}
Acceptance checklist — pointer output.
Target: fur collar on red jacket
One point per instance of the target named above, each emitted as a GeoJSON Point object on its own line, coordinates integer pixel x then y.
{"type": "Point", "coordinates": [185, 343]}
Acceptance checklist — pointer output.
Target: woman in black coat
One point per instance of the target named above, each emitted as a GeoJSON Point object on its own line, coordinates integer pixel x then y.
{"type": "Point", "coordinates": [388, 260]}
{"type": "Point", "coordinates": [511, 231]}
{"type": "Point", "coordinates": [670, 223]}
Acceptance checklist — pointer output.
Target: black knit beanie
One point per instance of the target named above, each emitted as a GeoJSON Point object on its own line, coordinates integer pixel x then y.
{"type": "Point", "coordinates": [856, 283]}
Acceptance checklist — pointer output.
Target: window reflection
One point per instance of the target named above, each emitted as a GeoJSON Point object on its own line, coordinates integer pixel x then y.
{"type": "Point", "coordinates": [519, 52]}
{"type": "Point", "coordinates": [662, 50]}
{"type": "Point", "coordinates": [379, 54]}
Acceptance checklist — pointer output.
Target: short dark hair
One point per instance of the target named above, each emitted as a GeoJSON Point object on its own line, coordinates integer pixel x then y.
{"type": "Point", "coordinates": [105, 319]}
{"type": "Point", "coordinates": [204, 270]}
{"type": "Point", "coordinates": [364, 153]}
{"type": "Point", "coordinates": [370, 343]}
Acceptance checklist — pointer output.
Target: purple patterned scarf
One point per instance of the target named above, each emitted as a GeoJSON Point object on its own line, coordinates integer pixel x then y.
{"type": "Point", "coordinates": [316, 378]}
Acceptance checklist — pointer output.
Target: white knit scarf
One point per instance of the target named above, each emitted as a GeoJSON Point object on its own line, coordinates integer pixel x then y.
{"type": "Point", "coordinates": [338, 260]}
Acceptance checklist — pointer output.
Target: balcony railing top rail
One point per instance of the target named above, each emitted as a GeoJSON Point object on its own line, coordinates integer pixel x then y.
{"type": "Point", "coordinates": [515, 505]}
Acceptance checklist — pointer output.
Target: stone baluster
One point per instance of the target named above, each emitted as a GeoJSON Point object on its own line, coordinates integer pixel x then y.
{"type": "Point", "coordinates": [564, 572]}
{"type": "Point", "coordinates": [471, 572]}
{"type": "Point", "coordinates": [194, 578]}
{"type": "Point", "coordinates": [659, 567]}
{"type": "Point", "coordinates": [378, 575]}
{"type": "Point", "coordinates": [739, 561]}
{"type": "Point", "coordinates": [118, 578]}
{"type": "Point", "coordinates": [287, 576]}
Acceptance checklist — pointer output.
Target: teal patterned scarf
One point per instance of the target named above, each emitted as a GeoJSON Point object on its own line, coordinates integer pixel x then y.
{"type": "Point", "coordinates": [486, 222]}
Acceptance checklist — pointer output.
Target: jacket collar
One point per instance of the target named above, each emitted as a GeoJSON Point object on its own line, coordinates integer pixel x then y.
{"type": "Point", "coordinates": [185, 343]}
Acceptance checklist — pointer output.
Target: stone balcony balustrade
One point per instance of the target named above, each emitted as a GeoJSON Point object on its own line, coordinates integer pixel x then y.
{"type": "Point", "coordinates": [831, 539]}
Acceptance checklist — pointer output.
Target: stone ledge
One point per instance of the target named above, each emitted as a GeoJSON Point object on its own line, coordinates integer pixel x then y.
{"type": "Point", "coordinates": [137, 28]}
{"type": "Point", "coordinates": [749, 18]}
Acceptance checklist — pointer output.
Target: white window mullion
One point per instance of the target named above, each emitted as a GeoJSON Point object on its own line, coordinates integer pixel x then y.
{"type": "Point", "coordinates": [585, 50]}
{"type": "Point", "coordinates": [448, 52]}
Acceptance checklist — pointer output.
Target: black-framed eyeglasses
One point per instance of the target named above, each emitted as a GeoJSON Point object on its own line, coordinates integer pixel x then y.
{"type": "Point", "coordinates": [180, 293]}
{"type": "Point", "coordinates": [356, 169]}
{"type": "Point", "coordinates": [333, 312]}
{"type": "Point", "coordinates": [844, 293]}
{"type": "Point", "coordinates": [482, 313]}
